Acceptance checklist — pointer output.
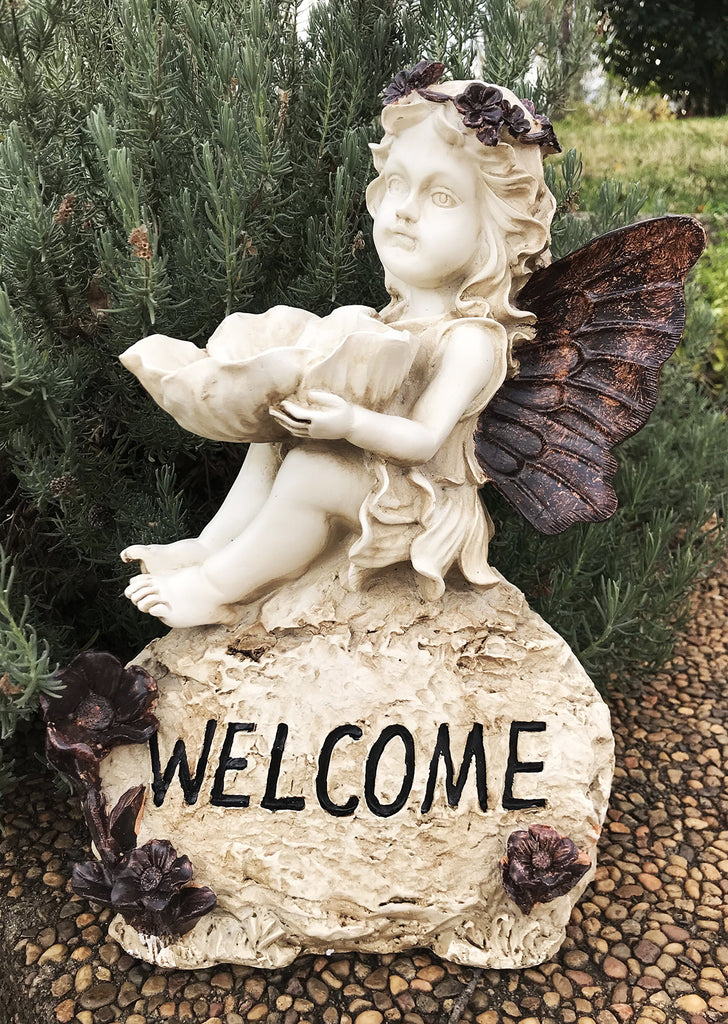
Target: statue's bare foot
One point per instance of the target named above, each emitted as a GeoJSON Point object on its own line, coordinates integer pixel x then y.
{"type": "Point", "coordinates": [160, 559]}
{"type": "Point", "coordinates": [182, 598]}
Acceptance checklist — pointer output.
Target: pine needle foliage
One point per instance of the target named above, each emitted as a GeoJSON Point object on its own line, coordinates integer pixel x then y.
{"type": "Point", "coordinates": [26, 666]}
{"type": "Point", "coordinates": [165, 163]}
{"type": "Point", "coordinates": [540, 48]}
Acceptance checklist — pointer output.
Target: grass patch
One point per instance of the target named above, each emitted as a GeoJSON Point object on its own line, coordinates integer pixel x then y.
{"type": "Point", "coordinates": [683, 163]}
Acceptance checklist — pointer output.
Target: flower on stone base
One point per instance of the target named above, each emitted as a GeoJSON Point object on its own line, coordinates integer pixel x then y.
{"type": "Point", "coordinates": [540, 865]}
{"type": "Point", "coordinates": [94, 880]}
{"type": "Point", "coordinates": [114, 834]}
{"type": "Point", "coordinates": [149, 888]}
{"type": "Point", "coordinates": [151, 876]}
{"type": "Point", "coordinates": [102, 705]}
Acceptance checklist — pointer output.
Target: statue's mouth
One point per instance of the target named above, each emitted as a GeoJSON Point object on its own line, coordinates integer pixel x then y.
{"type": "Point", "coordinates": [403, 240]}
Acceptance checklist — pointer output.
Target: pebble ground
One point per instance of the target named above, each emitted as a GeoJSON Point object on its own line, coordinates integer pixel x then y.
{"type": "Point", "coordinates": [647, 943]}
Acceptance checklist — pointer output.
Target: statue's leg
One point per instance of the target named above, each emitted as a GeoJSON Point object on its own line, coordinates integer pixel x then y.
{"type": "Point", "coordinates": [243, 502]}
{"type": "Point", "coordinates": [314, 490]}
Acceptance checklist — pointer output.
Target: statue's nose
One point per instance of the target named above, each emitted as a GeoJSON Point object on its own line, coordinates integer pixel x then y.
{"type": "Point", "coordinates": [407, 208]}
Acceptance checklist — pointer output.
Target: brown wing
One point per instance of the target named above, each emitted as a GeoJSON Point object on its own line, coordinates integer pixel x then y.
{"type": "Point", "coordinates": [609, 315]}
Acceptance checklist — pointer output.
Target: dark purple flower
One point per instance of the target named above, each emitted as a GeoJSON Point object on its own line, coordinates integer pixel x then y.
{"type": "Point", "coordinates": [513, 116]}
{"type": "Point", "coordinates": [541, 865]}
{"type": "Point", "coordinates": [126, 818]}
{"type": "Point", "coordinates": [417, 79]}
{"type": "Point", "coordinates": [547, 135]}
{"type": "Point", "coordinates": [187, 907]}
{"type": "Point", "coordinates": [94, 881]}
{"type": "Point", "coordinates": [150, 876]}
{"type": "Point", "coordinates": [149, 888]}
{"type": "Point", "coordinates": [102, 705]}
{"type": "Point", "coordinates": [151, 892]}
{"type": "Point", "coordinates": [482, 109]}
{"type": "Point", "coordinates": [485, 109]}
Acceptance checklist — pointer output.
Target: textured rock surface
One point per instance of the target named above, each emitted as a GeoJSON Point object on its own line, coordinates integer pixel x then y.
{"type": "Point", "coordinates": [317, 657]}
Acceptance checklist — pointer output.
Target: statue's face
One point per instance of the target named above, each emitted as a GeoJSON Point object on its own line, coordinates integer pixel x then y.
{"type": "Point", "coordinates": [427, 226]}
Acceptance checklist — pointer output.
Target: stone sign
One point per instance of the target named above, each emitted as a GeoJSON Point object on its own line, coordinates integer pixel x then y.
{"type": "Point", "coordinates": [346, 772]}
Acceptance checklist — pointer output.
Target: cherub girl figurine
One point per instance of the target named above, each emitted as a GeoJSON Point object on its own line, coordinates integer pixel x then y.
{"type": "Point", "coordinates": [459, 224]}
{"type": "Point", "coordinates": [363, 422]}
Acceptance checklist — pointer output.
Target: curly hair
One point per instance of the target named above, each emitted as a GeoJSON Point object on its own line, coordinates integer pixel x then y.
{"type": "Point", "coordinates": [515, 231]}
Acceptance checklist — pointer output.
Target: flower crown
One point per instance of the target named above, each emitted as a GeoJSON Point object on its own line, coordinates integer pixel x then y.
{"type": "Point", "coordinates": [483, 107]}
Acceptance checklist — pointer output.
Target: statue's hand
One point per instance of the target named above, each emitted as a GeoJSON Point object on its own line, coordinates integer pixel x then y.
{"type": "Point", "coordinates": [328, 418]}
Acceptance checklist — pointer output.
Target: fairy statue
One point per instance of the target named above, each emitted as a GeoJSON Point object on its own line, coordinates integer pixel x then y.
{"type": "Point", "coordinates": [391, 748]}
{"type": "Point", "coordinates": [377, 430]}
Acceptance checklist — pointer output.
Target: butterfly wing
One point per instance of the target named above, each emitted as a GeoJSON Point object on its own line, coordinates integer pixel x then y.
{"type": "Point", "coordinates": [608, 316]}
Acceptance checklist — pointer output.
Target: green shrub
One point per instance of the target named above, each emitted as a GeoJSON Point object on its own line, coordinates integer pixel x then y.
{"type": "Point", "coordinates": [162, 165]}
{"type": "Point", "coordinates": [26, 668]}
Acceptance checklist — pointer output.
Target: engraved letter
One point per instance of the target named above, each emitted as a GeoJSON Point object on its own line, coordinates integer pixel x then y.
{"type": "Point", "coordinates": [473, 752]}
{"type": "Point", "coordinates": [190, 786]}
{"type": "Point", "coordinates": [373, 803]}
{"type": "Point", "coordinates": [218, 797]}
{"type": "Point", "coordinates": [322, 790]}
{"type": "Point", "coordinates": [510, 802]}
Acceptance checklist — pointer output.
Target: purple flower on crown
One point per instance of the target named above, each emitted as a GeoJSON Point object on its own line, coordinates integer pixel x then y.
{"type": "Point", "coordinates": [517, 122]}
{"type": "Point", "coordinates": [417, 79]}
{"type": "Point", "coordinates": [486, 111]}
{"type": "Point", "coordinates": [483, 107]}
{"type": "Point", "coordinates": [547, 135]}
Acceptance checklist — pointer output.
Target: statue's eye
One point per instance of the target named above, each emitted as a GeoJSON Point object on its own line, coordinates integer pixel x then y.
{"type": "Point", "coordinates": [444, 199]}
{"type": "Point", "coordinates": [396, 186]}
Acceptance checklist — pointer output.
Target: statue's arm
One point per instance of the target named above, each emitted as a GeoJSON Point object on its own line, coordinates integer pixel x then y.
{"type": "Point", "coordinates": [465, 368]}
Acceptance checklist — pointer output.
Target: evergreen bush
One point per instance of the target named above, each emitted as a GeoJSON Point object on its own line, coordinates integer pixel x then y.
{"type": "Point", "coordinates": [164, 164]}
